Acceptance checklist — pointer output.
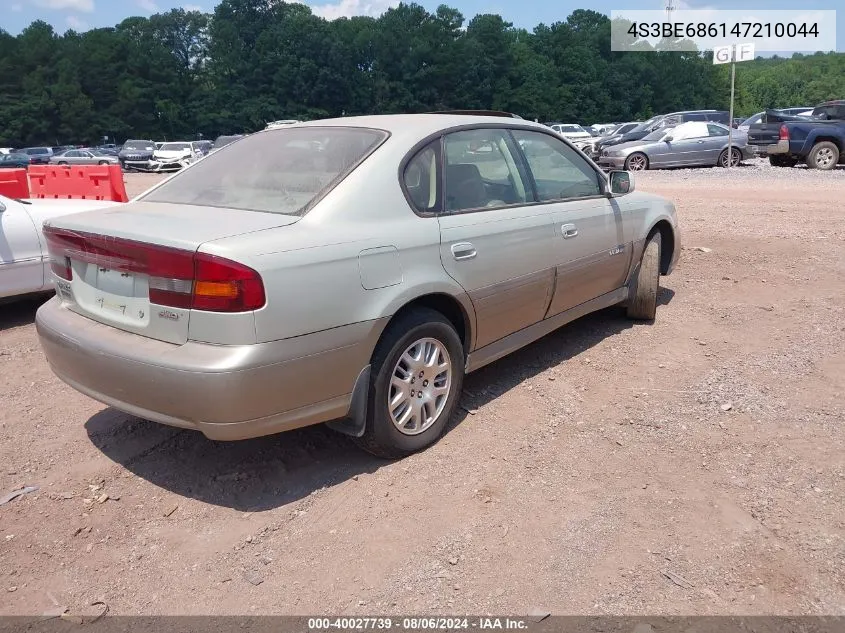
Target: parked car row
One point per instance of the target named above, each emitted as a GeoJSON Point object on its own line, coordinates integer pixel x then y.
{"type": "Point", "coordinates": [677, 139]}
{"type": "Point", "coordinates": [690, 144]}
{"type": "Point", "coordinates": [140, 155]}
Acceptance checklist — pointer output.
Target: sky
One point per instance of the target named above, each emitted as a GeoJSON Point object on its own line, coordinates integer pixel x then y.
{"type": "Point", "coordinates": [81, 15]}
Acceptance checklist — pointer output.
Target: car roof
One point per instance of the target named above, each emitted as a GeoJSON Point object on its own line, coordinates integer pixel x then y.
{"type": "Point", "coordinates": [693, 111]}
{"type": "Point", "coordinates": [421, 125]}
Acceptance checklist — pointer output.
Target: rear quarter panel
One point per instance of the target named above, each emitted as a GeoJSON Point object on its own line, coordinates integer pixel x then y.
{"type": "Point", "coordinates": [814, 134]}
{"type": "Point", "coordinates": [315, 271]}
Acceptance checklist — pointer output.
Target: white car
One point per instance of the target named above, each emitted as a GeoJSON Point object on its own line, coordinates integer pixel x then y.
{"type": "Point", "coordinates": [571, 131]}
{"type": "Point", "coordinates": [6, 150]}
{"type": "Point", "coordinates": [24, 263]}
{"type": "Point", "coordinates": [174, 156]}
{"type": "Point", "coordinates": [172, 152]}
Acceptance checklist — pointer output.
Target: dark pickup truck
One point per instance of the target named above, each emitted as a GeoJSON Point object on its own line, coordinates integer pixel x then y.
{"type": "Point", "coordinates": [817, 139]}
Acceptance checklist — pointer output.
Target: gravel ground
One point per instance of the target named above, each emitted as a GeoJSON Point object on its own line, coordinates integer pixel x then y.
{"type": "Point", "coordinates": [695, 465]}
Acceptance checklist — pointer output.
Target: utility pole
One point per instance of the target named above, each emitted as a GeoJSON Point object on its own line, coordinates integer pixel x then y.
{"type": "Point", "coordinates": [731, 116]}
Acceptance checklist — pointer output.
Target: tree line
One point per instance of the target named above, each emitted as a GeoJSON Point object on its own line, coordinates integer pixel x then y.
{"type": "Point", "coordinates": [182, 74]}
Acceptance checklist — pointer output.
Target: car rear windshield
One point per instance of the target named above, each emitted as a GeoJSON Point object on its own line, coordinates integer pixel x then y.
{"type": "Point", "coordinates": [222, 141]}
{"type": "Point", "coordinates": [37, 150]}
{"type": "Point", "coordinates": [277, 171]}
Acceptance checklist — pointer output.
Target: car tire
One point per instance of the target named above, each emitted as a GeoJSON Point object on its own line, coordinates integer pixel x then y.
{"type": "Point", "coordinates": [636, 162]}
{"type": "Point", "coordinates": [104, 162]}
{"type": "Point", "coordinates": [824, 156]}
{"type": "Point", "coordinates": [736, 158]}
{"type": "Point", "coordinates": [645, 281]}
{"type": "Point", "coordinates": [782, 161]}
{"type": "Point", "coordinates": [62, 162]}
{"type": "Point", "coordinates": [428, 330]}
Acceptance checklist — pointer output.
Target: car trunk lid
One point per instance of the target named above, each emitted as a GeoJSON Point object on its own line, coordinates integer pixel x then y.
{"type": "Point", "coordinates": [137, 267]}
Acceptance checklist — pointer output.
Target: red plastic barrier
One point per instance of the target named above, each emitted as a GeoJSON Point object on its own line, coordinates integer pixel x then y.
{"type": "Point", "coordinates": [85, 182]}
{"type": "Point", "coordinates": [13, 183]}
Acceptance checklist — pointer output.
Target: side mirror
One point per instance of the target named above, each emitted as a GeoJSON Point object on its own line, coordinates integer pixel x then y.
{"type": "Point", "coordinates": [621, 183]}
{"type": "Point", "coordinates": [668, 139]}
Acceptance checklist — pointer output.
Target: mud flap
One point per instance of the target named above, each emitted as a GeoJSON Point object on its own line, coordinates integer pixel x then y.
{"type": "Point", "coordinates": [355, 422]}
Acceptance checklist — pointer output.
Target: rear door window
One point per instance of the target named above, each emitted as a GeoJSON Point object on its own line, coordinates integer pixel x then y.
{"type": "Point", "coordinates": [481, 171]}
{"type": "Point", "coordinates": [716, 130]}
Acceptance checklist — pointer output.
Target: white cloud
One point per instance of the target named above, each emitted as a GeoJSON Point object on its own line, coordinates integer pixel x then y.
{"type": "Point", "coordinates": [147, 5]}
{"type": "Point", "coordinates": [348, 8]}
{"type": "Point", "coordinates": [193, 7]}
{"type": "Point", "coordinates": [76, 24]}
{"type": "Point", "coordinates": [85, 6]}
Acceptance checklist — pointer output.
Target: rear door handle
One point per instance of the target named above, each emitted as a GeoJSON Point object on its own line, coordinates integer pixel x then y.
{"type": "Point", "coordinates": [568, 230]}
{"type": "Point", "coordinates": [463, 250]}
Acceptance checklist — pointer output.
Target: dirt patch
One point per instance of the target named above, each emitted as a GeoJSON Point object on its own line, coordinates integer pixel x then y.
{"type": "Point", "coordinates": [691, 466]}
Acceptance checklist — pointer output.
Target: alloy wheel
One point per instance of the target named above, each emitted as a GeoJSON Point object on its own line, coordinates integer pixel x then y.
{"type": "Point", "coordinates": [419, 386]}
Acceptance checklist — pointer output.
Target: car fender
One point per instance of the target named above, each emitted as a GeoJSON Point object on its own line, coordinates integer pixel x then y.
{"type": "Point", "coordinates": [642, 212]}
{"type": "Point", "coordinates": [816, 135]}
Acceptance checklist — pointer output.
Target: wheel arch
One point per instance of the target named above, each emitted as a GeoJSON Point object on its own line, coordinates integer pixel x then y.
{"type": "Point", "coordinates": [820, 136]}
{"type": "Point", "coordinates": [667, 238]}
{"type": "Point", "coordinates": [456, 310]}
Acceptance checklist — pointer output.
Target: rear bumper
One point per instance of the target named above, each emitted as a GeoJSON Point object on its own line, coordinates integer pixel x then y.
{"type": "Point", "coordinates": [227, 392]}
{"type": "Point", "coordinates": [781, 147]}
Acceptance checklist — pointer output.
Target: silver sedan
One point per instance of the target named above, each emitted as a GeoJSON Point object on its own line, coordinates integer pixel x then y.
{"type": "Point", "coordinates": [84, 157]}
{"type": "Point", "coordinates": [348, 271]}
{"type": "Point", "coordinates": [692, 144]}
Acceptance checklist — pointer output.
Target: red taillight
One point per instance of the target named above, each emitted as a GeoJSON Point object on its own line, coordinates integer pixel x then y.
{"type": "Point", "coordinates": [177, 278]}
{"type": "Point", "coordinates": [784, 133]}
